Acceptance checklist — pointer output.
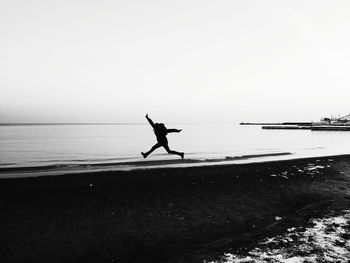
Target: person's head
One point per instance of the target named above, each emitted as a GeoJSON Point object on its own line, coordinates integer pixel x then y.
{"type": "Point", "coordinates": [159, 126]}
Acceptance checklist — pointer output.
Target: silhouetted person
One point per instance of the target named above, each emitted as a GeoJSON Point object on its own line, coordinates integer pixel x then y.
{"type": "Point", "coordinates": [161, 132]}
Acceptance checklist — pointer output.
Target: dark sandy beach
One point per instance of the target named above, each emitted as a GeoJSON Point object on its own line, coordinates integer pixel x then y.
{"type": "Point", "coordinates": [166, 214]}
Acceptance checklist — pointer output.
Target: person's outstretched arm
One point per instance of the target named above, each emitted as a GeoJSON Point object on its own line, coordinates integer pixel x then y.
{"type": "Point", "coordinates": [173, 130]}
{"type": "Point", "coordinates": [150, 121]}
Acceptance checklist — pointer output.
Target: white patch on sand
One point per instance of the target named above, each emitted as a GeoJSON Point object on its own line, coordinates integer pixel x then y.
{"type": "Point", "coordinates": [283, 175]}
{"type": "Point", "coordinates": [323, 242]}
{"type": "Point", "coordinates": [316, 167]}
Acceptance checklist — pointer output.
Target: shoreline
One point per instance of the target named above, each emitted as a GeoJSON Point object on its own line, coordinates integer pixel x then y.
{"type": "Point", "coordinates": [162, 214]}
{"type": "Point", "coordinates": [100, 167]}
{"type": "Point", "coordinates": [133, 162]}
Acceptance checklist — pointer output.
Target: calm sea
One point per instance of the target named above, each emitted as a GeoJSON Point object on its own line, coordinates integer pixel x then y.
{"type": "Point", "coordinates": [61, 148]}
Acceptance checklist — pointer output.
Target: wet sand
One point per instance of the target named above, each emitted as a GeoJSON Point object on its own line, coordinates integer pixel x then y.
{"type": "Point", "coordinates": [167, 214]}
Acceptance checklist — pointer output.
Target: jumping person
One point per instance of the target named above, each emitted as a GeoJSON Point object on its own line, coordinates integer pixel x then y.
{"type": "Point", "coordinates": [161, 132]}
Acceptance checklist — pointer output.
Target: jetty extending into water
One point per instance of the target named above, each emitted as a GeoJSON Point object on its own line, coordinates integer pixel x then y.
{"type": "Point", "coordinates": [286, 127]}
{"type": "Point", "coordinates": [277, 123]}
{"type": "Point", "coordinates": [326, 124]}
{"type": "Point", "coordinates": [312, 128]}
{"type": "Point", "coordinates": [330, 128]}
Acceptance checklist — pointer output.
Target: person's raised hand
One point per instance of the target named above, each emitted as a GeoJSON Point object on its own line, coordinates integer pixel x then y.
{"type": "Point", "coordinates": [147, 115]}
{"type": "Point", "coordinates": [180, 130]}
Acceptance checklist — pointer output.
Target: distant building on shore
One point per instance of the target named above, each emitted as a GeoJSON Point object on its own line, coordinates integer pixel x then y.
{"type": "Point", "coordinates": [335, 121]}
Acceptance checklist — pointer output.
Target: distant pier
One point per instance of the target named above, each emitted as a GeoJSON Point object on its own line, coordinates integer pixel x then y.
{"type": "Point", "coordinates": [330, 128]}
{"type": "Point", "coordinates": [286, 127]}
{"type": "Point", "coordinates": [277, 123]}
{"type": "Point", "coordinates": [260, 123]}
{"type": "Point", "coordinates": [313, 126]}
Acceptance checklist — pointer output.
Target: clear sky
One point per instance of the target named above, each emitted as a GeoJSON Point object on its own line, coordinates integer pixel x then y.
{"type": "Point", "coordinates": [179, 61]}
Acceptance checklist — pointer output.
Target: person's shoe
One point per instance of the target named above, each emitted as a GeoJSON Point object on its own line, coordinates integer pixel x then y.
{"type": "Point", "coordinates": [182, 155]}
{"type": "Point", "coordinates": [143, 154]}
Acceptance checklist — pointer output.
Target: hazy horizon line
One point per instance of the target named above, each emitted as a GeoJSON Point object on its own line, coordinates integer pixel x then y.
{"type": "Point", "coordinates": [98, 123]}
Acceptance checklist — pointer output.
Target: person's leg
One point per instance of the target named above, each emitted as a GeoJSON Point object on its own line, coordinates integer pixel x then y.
{"type": "Point", "coordinates": [157, 145]}
{"type": "Point", "coordinates": [166, 147]}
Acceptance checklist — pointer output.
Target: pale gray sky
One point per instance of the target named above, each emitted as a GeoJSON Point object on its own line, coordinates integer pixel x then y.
{"type": "Point", "coordinates": [180, 61]}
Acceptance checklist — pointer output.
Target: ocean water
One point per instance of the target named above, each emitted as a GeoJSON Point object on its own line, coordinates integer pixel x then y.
{"type": "Point", "coordinates": [62, 148]}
